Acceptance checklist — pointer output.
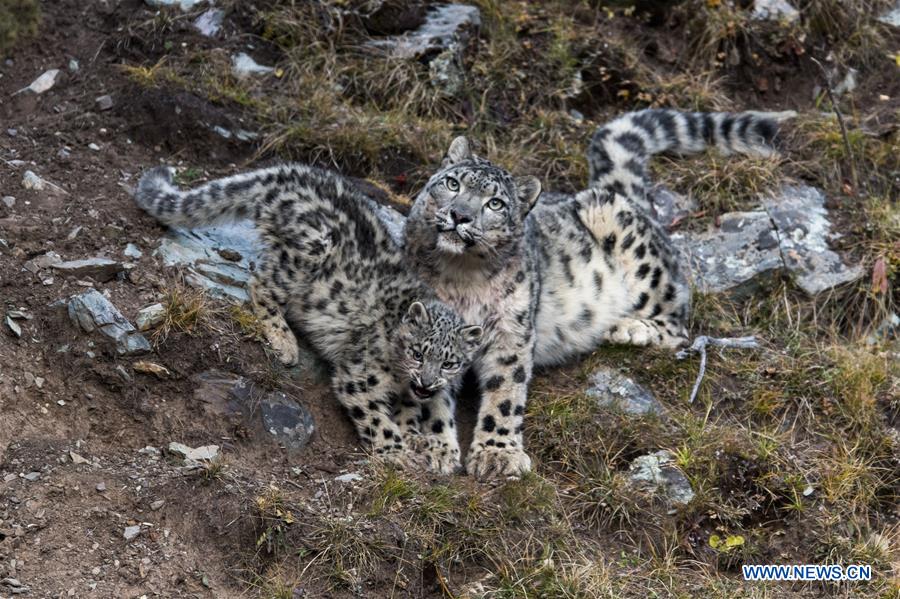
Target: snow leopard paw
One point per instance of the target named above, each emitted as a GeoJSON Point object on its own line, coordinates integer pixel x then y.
{"type": "Point", "coordinates": [403, 458]}
{"type": "Point", "coordinates": [635, 332]}
{"type": "Point", "coordinates": [442, 457]}
{"type": "Point", "coordinates": [488, 461]}
{"type": "Point", "coordinates": [284, 344]}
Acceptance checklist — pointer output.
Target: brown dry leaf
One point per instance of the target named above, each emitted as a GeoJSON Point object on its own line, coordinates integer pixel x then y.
{"type": "Point", "coordinates": [879, 276]}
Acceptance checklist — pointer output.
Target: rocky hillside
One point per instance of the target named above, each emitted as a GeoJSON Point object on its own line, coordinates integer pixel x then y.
{"type": "Point", "coordinates": [150, 446]}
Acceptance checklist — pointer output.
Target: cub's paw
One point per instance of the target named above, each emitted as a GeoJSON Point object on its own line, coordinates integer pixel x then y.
{"type": "Point", "coordinates": [403, 457]}
{"type": "Point", "coordinates": [441, 456]}
{"type": "Point", "coordinates": [285, 346]}
{"type": "Point", "coordinates": [488, 461]}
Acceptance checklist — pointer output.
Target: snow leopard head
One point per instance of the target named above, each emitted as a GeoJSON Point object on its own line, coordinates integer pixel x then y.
{"type": "Point", "coordinates": [471, 207]}
{"type": "Point", "coordinates": [436, 347]}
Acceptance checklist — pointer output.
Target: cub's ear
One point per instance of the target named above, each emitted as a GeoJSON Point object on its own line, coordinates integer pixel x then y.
{"type": "Point", "coordinates": [472, 336]}
{"type": "Point", "coordinates": [458, 152]}
{"type": "Point", "coordinates": [417, 314]}
{"type": "Point", "coordinates": [528, 189]}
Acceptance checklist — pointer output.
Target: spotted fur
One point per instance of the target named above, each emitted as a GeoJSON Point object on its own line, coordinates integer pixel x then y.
{"type": "Point", "coordinates": [558, 277]}
{"type": "Point", "coordinates": [331, 268]}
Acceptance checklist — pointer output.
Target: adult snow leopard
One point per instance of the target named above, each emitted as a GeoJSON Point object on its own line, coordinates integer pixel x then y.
{"type": "Point", "coordinates": [555, 278]}
{"type": "Point", "coordinates": [331, 267]}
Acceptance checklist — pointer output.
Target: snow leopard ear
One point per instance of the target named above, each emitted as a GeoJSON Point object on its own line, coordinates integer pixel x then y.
{"type": "Point", "coordinates": [417, 314]}
{"type": "Point", "coordinates": [472, 336]}
{"type": "Point", "coordinates": [458, 152]}
{"type": "Point", "coordinates": [528, 189]}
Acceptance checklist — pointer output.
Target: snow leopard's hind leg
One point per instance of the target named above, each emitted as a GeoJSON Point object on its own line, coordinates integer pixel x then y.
{"type": "Point", "coordinates": [646, 265]}
{"type": "Point", "coordinates": [268, 302]}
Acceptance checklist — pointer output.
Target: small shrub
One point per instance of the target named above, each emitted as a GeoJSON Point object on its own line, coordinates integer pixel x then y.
{"type": "Point", "coordinates": [18, 18]}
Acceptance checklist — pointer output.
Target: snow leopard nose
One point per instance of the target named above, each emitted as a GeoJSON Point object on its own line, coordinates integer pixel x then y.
{"type": "Point", "coordinates": [459, 218]}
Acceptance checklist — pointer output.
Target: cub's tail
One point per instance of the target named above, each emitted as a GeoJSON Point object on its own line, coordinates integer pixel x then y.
{"type": "Point", "coordinates": [222, 200]}
{"type": "Point", "coordinates": [619, 150]}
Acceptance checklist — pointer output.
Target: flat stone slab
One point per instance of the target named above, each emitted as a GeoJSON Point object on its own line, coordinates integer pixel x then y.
{"type": "Point", "coordinates": [101, 269]}
{"type": "Point", "coordinates": [656, 474]}
{"type": "Point", "coordinates": [288, 421]}
{"type": "Point", "coordinates": [445, 26]}
{"type": "Point", "coordinates": [93, 312]}
{"type": "Point", "coordinates": [221, 259]}
{"type": "Point", "coordinates": [789, 232]}
{"type": "Point", "coordinates": [226, 395]}
{"type": "Point", "coordinates": [892, 16]}
{"type": "Point", "coordinates": [615, 390]}
{"type": "Point", "coordinates": [198, 251]}
{"type": "Point", "coordinates": [184, 5]}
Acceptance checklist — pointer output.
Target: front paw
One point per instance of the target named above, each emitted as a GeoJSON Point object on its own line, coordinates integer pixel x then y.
{"type": "Point", "coordinates": [285, 346]}
{"type": "Point", "coordinates": [489, 461]}
{"type": "Point", "coordinates": [441, 456]}
{"type": "Point", "coordinates": [402, 457]}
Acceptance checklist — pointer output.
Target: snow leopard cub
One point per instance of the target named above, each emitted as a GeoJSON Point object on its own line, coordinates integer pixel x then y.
{"type": "Point", "coordinates": [331, 268]}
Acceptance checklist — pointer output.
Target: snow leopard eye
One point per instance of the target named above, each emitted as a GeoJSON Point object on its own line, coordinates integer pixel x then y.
{"type": "Point", "coordinates": [416, 355]}
{"type": "Point", "coordinates": [450, 365]}
{"type": "Point", "coordinates": [496, 204]}
{"type": "Point", "coordinates": [452, 184]}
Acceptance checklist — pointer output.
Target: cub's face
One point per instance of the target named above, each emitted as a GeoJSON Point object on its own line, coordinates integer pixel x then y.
{"type": "Point", "coordinates": [435, 347]}
{"type": "Point", "coordinates": [474, 207]}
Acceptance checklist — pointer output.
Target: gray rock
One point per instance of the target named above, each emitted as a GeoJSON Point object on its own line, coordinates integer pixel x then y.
{"type": "Point", "coordinates": [74, 67]}
{"type": "Point", "coordinates": [132, 251]}
{"type": "Point", "coordinates": [888, 329]}
{"type": "Point", "coordinates": [444, 26]}
{"type": "Point", "coordinates": [101, 487]}
{"type": "Point", "coordinates": [93, 312]}
{"type": "Point", "coordinates": [892, 16]}
{"type": "Point", "coordinates": [104, 102]}
{"type": "Point", "coordinates": [13, 326]}
{"type": "Point", "coordinates": [43, 83]}
{"type": "Point", "coordinates": [210, 22]}
{"type": "Point", "coordinates": [8, 201]}
{"type": "Point", "coordinates": [290, 422]}
{"type": "Point", "coordinates": [31, 181]}
{"type": "Point", "coordinates": [35, 265]}
{"type": "Point", "coordinates": [32, 476]}
{"type": "Point", "coordinates": [774, 10]}
{"type": "Point", "coordinates": [350, 477]}
{"type": "Point", "coordinates": [197, 251]}
{"type": "Point", "coordinates": [184, 5]}
{"type": "Point", "coordinates": [446, 71]}
{"type": "Point", "coordinates": [242, 65]}
{"type": "Point", "coordinates": [615, 390]}
{"type": "Point", "coordinates": [746, 247]}
{"type": "Point", "coordinates": [157, 505]}
{"type": "Point", "coordinates": [657, 474]}
{"type": "Point", "coordinates": [206, 453]}
{"type": "Point", "coordinates": [12, 132]}
{"type": "Point", "coordinates": [99, 269]}
{"type": "Point", "coordinates": [225, 395]}
{"type": "Point", "coordinates": [670, 207]}
{"type": "Point", "coordinates": [132, 532]}
{"type": "Point", "coordinates": [149, 317]}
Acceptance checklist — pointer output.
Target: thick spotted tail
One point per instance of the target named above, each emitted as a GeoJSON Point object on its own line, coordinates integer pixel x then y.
{"type": "Point", "coordinates": [619, 150]}
{"type": "Point", "coordinates": [222, 200]}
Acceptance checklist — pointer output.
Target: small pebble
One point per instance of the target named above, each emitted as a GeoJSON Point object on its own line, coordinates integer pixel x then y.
{"type": "Point", "coordinates": [94, 147]}
{"type": "Point", "coordinates": [101, 487]}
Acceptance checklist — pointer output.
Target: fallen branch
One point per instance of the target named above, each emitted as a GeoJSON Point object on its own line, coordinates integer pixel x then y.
{"type": "Point", "coordinates": [699, 346]}
{"type": "Point", "coordinates": [840, 118]}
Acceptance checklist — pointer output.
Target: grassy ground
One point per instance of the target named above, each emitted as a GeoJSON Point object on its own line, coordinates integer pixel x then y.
{"type": "Point", "coordinates": [793, 449]}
